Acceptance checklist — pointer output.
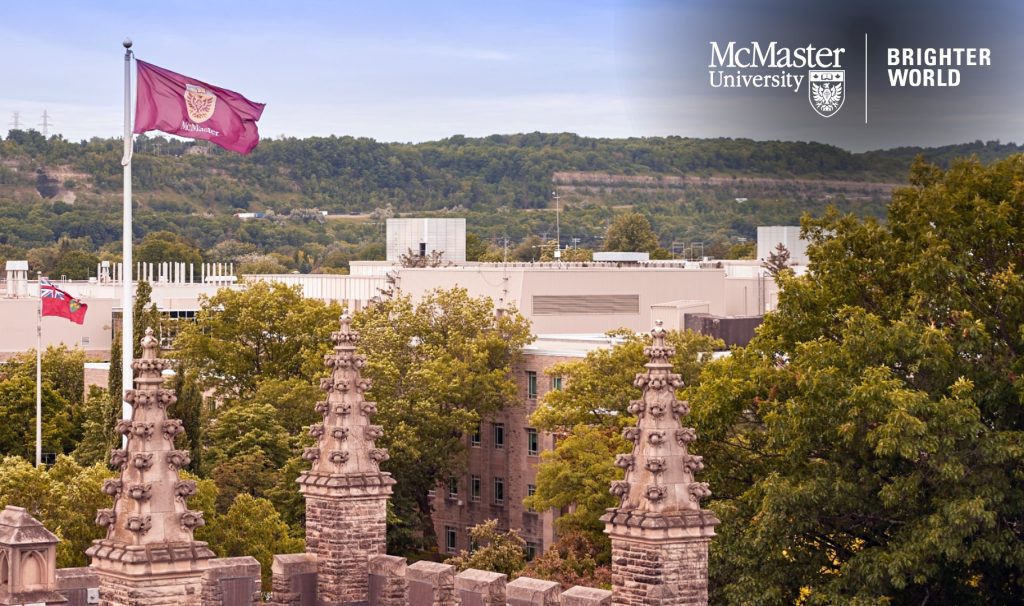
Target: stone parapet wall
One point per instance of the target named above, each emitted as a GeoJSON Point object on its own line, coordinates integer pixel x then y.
{"type": "Point", "coordinates": [293, 580]}
{"type": "Point", "coordinates": [393, 582]}
{"type": "Point", "coordinates": [232, 582]}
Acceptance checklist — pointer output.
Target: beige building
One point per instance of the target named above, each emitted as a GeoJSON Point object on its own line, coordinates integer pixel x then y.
{"type": "Point", "coordinates": [556, 298]}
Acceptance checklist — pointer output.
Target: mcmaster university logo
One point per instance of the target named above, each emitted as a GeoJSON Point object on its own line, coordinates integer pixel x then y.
{"type": "Point", "coordinates": [199, 103]}
{"type": "Point", "coordinates": [774, 66]}
{"type": "Point", "coordinates": [826, 91]}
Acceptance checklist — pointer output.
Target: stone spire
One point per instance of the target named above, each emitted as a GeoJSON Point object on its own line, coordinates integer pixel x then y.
{"type": "Point", "coordinates": [149, 541]}
{"type": "Point", "coordinates": [346, 492]}
{"type": "Point", "coordinates": [659, 532]}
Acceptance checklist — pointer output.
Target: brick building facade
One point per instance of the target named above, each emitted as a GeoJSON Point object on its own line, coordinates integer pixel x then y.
{"type": "Point", "coordinates": [504, 455]}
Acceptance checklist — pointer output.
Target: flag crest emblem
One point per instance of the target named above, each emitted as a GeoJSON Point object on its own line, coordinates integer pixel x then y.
{"type": "Point", "coordinates": [826, 92]}
{"type": "Point", "coordinates": [200, 103]}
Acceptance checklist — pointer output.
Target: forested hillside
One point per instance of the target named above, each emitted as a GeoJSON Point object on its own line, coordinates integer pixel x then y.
{"type": "Point", "coordinates": [59, 197]}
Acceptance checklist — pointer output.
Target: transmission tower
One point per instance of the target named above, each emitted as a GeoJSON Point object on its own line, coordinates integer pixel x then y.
{"type": "Point", "coordinates": [46, 124]}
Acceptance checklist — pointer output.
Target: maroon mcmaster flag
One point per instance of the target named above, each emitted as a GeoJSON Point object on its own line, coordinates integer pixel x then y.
{"type": "Point", "coordinates": [186, 107]}
{"type": "Point", "coordinates": [56, 302]}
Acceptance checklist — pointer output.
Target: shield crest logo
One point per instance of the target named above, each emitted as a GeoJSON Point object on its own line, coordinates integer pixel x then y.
{"type": "Point", "coordinates": [826, 91]}
{"type": "Point", "coordinates": [199, 103]}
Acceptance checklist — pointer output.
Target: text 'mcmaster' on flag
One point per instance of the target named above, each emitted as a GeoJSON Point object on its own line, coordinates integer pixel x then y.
{"type": "Point", "coordinates": [183, 106]}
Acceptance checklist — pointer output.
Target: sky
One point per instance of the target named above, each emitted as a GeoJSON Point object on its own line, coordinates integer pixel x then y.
{"type": "Point", "coordinates": [414, 71]}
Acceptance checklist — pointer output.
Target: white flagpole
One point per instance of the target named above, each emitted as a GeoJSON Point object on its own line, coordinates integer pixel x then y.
{"type": "Point", "coordinates": [39, 373]}
{"type": "Point", "coordinates": [127, 322]}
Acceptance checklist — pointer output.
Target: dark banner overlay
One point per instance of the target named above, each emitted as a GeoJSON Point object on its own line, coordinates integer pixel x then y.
{"type": "Point", "coordinates": [861, 75]}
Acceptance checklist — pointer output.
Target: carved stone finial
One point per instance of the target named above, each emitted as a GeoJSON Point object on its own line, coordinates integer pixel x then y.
{"type": "Point", "coordinates": [150, 345]}
{"type": "Point", "coordinates": [659, 471]}
{"type": "Point", "coordinates": [149, 493]}
{"type": "Point", "coordinates": [345, 338]}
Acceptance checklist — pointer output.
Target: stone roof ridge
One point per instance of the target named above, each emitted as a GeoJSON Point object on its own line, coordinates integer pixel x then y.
{"type": "Point", "coordinates": [18, 527]}
{"type": "Point", "coordinates": [149, 495]}
{"type": "Point", "coordinates": [659, 472]}
{"type": "Point", "coordinates": [346, 439]}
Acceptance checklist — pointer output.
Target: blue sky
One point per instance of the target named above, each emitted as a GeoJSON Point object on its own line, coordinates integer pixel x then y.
{"type": "Point", "coordinates": [415, 71]}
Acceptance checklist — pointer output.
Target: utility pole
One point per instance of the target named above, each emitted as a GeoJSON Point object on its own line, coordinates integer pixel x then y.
{"type": "Point", "coordinates": [16, 121]}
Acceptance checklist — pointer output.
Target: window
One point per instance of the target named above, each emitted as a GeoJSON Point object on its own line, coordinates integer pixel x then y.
{"type": "Point", "coordinates": [531, 489]}
{"type": "Point", "coordinates": [451, 539]}
{"type": "Point", "coordinates": [499, 491]}
{"type": "Point", "coordinates": [556, 383]}
{"type": "Point", "coordinates": [532, 441]}
{"type": "Point", "coordinates": [474, 440]}
{"type": "Point", "coordinates": [423, 249]}
{"type": "Point", "coordinates": [453, 488]}
{"type": "Point", "coordinates": [531, 385]}
{"type": "Point", "coordinates": [499, 435]}
{"type": "Point", "coordinates": [474, 488]}
{"type": "Point", "coordinates": [531, 550]}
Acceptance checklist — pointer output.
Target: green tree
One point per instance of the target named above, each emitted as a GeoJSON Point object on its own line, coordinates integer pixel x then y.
{"type": "Point", "coordinates": [245, 446]}
{"type": "Point", "coordinates": [166, 247]}
{"type": "Point", "coordinates": [189, 409]}
{"type": "Point", "coordinates": [251, 527]}
{"type": "Point", "coordinates": [63, 370]}
{"type": "Point", "coordinates": [589, 414]}
{"type": "Point", "coordinates": [494, 550]}
{"type": "Point", "coordinates": [597, 389]}
{"type": "Point", "coordinates": [75, 264]}
{"type": "Point", "coordinates": [75, 496]}
{"type": "Point", "coordinates": [17, 409]}
{"type": "Point", "coordinates": [866, 446]}
{"type": "Point", "coordinates": [575, 476]}
{"type": "Point", "coordinates": [114, 387]}
{"type": "Point", "coordinates": [24, 485]}
{"type": "Point", "coordinates": [99, 414]}
{"type": "Point", "coordinates": [290, 399]}
{"type": "Point", "coordinates": [265, 330]}
{"type": "Point", "coordinates": [64, 498]}
{"type": "Point", "coordinates": [475, 247]}
{"type": "Point", "coordinates": [437, 367]}
{"type": "Point", "coordinates": [631, 232]}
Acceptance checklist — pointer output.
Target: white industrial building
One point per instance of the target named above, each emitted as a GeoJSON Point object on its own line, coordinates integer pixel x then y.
{"type": "Point", "coordinates": [424, 236]}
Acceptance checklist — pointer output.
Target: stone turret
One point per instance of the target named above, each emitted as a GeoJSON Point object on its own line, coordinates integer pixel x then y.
{"type": "Point", "coordinates": [149, 556]}
{"type": "Point", "coordinates": [659, 532]}
{"type": "Point", "coordinates": [28, 560]}
{"type": "Point", "coordinates": [346, 492]}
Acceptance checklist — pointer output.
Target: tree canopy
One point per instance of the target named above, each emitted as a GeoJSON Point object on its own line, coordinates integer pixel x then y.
{"type": "Point", "coordinates": [437, 365]}
{"type": "Point", "coordinates": [867, 446]}
{"type": "Point", "coordinates": [265, 330]}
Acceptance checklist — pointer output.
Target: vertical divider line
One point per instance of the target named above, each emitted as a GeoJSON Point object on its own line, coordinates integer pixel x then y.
{"type": "Point", "coordinates": [865, 77]}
